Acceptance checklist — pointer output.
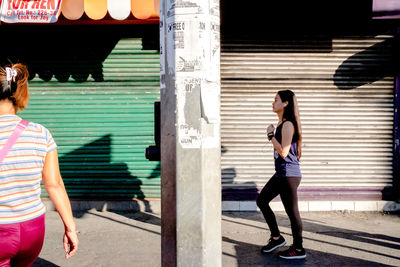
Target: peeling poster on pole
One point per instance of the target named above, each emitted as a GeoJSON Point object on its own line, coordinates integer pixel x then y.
{"type": "Point", "coordinates": [30, 11]}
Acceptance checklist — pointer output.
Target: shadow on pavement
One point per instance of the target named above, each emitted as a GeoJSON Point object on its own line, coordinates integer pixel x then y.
{"type": "Point", "coordinates": [137, 216]}
{"type": "Point", "coordinates": [43, 263]}
{"type": "Point", "coordinates": [249, 254]}
{"type": "Point", "coordinates": [243, 250]}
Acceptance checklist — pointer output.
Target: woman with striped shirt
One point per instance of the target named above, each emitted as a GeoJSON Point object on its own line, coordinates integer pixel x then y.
{"type": "Point", "coordinates": [31, 159]}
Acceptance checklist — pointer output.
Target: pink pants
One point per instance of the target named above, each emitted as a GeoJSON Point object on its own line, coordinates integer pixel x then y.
{"type": "Point", "coordinates": [21, 243]}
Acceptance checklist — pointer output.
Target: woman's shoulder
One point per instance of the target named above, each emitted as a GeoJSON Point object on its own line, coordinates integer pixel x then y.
{"type": "Point", "coordinates": [288, 127]}
{"type": "Point", "coordinates": [37, 127]}
{"type": "Point", "coordinates": [287, 123]}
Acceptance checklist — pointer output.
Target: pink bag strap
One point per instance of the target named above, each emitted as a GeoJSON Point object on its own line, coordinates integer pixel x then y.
{"type": "Point", "coordinates": [12, 139]}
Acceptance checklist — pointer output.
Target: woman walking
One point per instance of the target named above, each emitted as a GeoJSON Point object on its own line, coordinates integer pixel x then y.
{"type": "Point", "coordinates": [28, 156]}
{"type": "Point", "coordinates": [287, 152]}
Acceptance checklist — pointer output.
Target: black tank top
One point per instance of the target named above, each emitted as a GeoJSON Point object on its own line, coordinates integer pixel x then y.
{"type": "Point", "coordinates": [288, 166]}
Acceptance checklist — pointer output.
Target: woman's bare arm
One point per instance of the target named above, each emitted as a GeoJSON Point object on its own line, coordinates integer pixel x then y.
{"type": "Point", "coordinates": [54, 186]}
{"type": "Point", "coordinates": [287, 136]}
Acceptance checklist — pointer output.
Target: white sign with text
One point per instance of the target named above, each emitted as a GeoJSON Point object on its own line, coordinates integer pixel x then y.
{"type": "Point", "coordinates": [30, 11]}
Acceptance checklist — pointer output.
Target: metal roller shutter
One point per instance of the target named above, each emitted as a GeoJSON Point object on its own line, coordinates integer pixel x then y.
{"type": "Point", "coordinates": [345, 91]}
{"type": "Point", "coordinates": [102, 128]}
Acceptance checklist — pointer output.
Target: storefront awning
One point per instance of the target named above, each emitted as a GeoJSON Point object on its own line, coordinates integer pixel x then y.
{"type": "Point", "coordinates": [119, 10]}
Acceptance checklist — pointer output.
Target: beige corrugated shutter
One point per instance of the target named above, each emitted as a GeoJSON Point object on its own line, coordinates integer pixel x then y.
{"type": "Point", "coordinates": [345, 90]}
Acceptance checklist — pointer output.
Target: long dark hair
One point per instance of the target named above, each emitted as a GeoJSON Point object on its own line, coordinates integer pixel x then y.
{"type": "Point", "coordinates": [291, 113]}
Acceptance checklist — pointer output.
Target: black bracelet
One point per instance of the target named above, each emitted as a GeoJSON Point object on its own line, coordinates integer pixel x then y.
{"type": "Point", "coordinates": [270, 136]}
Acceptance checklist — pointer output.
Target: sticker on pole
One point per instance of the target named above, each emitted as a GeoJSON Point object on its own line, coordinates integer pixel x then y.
{"type": "Point", "coordinates": [30, 11]}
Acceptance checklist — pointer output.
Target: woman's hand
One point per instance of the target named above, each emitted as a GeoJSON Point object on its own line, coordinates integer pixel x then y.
{"type": "Point", "coordinates": [270, 129]}
{"type": "Point", "coordinates": [270, 132]}
{"type": "Point", "coordinates": [70, 242]}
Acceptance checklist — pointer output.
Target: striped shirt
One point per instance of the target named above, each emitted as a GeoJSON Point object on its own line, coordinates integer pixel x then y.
{"type": "Point", "coordinates": [21, 170]}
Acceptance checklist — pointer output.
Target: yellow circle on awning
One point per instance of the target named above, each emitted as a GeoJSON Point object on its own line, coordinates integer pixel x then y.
{"type": "Point", "coordinates": [95, 9]}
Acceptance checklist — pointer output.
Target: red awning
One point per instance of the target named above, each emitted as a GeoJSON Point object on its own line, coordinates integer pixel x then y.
{"type": "Point", "coordinates": [118, 10]}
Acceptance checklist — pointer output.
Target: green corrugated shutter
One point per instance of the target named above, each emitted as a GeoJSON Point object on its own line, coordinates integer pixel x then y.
{"type": "Point", "coordinates": [102, 128]}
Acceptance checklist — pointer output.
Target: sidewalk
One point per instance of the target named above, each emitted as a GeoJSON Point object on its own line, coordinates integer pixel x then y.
{"type": "Point", "coordinates": [133, 239]}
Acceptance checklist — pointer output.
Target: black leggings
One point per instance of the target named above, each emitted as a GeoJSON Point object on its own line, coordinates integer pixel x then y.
{"type": "Point", "coordinates": [286, 187]}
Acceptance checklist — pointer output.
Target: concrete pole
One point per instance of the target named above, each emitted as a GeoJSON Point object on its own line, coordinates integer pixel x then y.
{"type": "Point", "coordinates": [190, 133]}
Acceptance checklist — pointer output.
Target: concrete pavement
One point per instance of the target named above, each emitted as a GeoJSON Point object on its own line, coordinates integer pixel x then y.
{"type": "Point", "coordinates": [133, 239]}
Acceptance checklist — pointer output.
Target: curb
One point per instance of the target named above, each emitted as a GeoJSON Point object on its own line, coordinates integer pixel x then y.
{"type": "Point", "coordinates": [385, 206]}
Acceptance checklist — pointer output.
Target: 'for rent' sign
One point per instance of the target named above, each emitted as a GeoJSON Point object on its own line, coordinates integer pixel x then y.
{"type": "Point", "coordinates": [30, 11]}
